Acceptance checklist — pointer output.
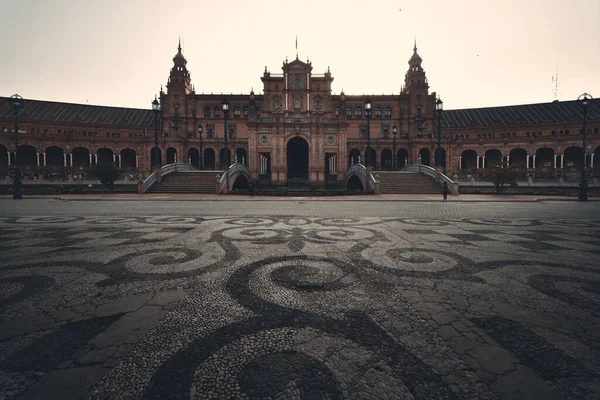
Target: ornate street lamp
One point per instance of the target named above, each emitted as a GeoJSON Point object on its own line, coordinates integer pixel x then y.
{"type": "Point", "coordinates": [583, 101]}
{"type": "Point", "coordinates": [200, 164]}
{"type": "Point", "coordinates": [156, 111]}
{"type": "Point", "coordinates": [225, 106]}
{"type": "Point", "coordinates": [368, 110]}
{"type": "Point", "coordinates": [394, 161]}
{"type": "Point", "coordinates": [439, 107]}
{"type": "Point", "coordinates": [17, 102]}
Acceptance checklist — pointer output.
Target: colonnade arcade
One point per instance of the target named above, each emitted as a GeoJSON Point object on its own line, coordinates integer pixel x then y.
{"type": "Point", "coordinates": [54, 159]}
{"type": "Point", "coordinates": [543, 162]}
{"type": "Point", "coordinates": [383, 159]}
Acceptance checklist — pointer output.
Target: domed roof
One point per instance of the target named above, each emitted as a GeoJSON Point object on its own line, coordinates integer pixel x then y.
{"type": "Point", "coordinates": [179, 58]}
{"type": "Point", "coordinates": [416, 58]}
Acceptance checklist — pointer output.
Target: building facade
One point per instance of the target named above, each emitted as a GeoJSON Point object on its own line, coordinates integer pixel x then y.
{"type": "Point", "coordinates": [296, 129]}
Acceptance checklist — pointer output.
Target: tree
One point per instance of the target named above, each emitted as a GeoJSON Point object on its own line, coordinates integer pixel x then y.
{"type": "Point", "coordinates": [106, 173]}
{"type": "Point", "coordinates": [502, 175]}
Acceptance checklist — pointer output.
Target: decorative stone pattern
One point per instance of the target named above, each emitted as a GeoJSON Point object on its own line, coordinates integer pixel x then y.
{"type": "Point", "coordinates": [299, 307]}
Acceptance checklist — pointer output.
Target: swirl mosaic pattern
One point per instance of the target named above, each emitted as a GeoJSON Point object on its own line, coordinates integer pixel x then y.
{"type": "Point", "coordinates": [168, 307]}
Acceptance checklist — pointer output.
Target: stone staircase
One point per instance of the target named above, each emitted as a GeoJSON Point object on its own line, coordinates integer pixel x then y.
{"type": "Point", "coordinates": [407, 183]}
{"type": "Point", "coordinates": [187, 182]}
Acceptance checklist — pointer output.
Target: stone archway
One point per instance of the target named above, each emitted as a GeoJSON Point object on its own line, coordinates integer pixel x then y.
{"type": "Point", "coordinates": [128, 159]}
{"type": "Point", "coordinates": [440, 157]}
{"type": "Point", "coordinates": [468, 160]}
{"type": "Point", "coordinates": [297, 156]}
{"type": "Point", "coordinates": [54, 158]}
{"type": "Point", "coordinates": [194, 157]}
{"type": "Point", "coordinates": [105, 156]}
{"type": "Point", "coordinates": [493, 158]}
{"type": "Point", "coordinates": [155, 157]}
{"type": "Point", "coordinates": [225, 159]}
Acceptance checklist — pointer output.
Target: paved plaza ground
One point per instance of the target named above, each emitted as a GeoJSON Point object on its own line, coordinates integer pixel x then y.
{"type": "Point", "coordinates": [299, 299]}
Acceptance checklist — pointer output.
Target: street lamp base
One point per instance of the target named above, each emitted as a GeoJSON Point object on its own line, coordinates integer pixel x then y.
{"type": "Point", "coordinates": [17, 193]}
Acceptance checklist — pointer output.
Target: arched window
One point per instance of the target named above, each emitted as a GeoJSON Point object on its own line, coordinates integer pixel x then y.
{"type": "Point", "coordinates": [388, 112]}
{"type": "Point", "coordinates": [553, 133]}
{"type": "Point", "coordinates": [246, 111]}
{"type": "Point", "coordinates": [358, 112]}
{"type": "Point", "coordinates": [378, 112]}
{"type": "Point", "coordinates": [567, 132]}
{"type": "Point", "coordinates": [297, 84]}
{"type": "Point", "coordinates": [297, 106]}
{"type": "Point", "coordinates": [206, 112]}
{"type": "Point", "coordinates": [348, 112]}
{"type": "Point", "coordinates": [217, 112]}
{"type": "Point", "coordinates": [236, 112]}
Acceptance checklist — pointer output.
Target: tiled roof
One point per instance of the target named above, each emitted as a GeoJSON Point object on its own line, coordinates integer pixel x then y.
{"type": "Point", "coordinates": [555, 112]}
{"type": "Point", "coordinates": [39, 110]}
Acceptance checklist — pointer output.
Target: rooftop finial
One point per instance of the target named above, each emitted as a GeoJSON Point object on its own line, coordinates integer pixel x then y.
{"type": "Point", "coordinates": [415, 48]}
{"type": "Point", "coordinates": [296, 46]}
{"type": "Point", "coordinates": [179, 45]}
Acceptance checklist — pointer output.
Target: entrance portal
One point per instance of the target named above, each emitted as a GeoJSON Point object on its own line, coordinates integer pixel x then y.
{"type": "Point", "coordinates": [297, 160]}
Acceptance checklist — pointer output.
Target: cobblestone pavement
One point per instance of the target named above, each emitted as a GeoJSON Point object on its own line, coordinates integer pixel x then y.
{"type": "Point", "coordinates": [288, 307]}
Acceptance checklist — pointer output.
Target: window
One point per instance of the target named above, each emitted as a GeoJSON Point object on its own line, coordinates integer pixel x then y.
{"type": "Point", "coordinates": [130, 136]}
{"type": "Point", "coordinates": [318, 105]}
{"type": "Point", "coordinates": [567, 132]}
{"type": "Point", "coordinates": [246, 111]}
{"type": "Point", "coordinates": [231, 131]}
{"type": "Point", "coordinates": [217, 112]}
{"type": "Point", "coordinates": [190, 135]}
{"type": "Point", "coordinates": [189, 108]}
{"type": "Point", "coordinates": [236, 112]}
{"type": "Point", "coordinates": [358, 112]}
{"type": "Point", "coordinates": [165, 107]}
{"type": "Point", "coordinates": [378, 112]}
{"type": "Point", "coordinates": [296, 104]}
{"type": "Point", "coordinates": [363, 132]}
{"type": "Point", "coordinates": [388, 112]}
{"type": "Point", "coordinates": [210, 131]}
{"type": "Point", "coordinates": [385, 131]}
{"type": "Point", "coordinates": [206, 112]}
{"type": "Point", "coordinates": [297, 84]}
{"type": "Point", "coordinates": [348, 112]}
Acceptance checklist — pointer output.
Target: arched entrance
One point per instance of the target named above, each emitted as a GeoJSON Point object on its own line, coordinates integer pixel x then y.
{"type": "Point", "coordinates": [155, 157]}
{"type": "Point", "coordinates": [353, 156]}
{"type": "Point", "coordinates": [297, 159]}
{"type": "Point", "coordinates": [424, 156]}
{"type": "Point", "coordinates": [402, 158]}
{"type": "Point", "coordinates": [3, 161]}
{"type": "Point", "coordinates": [105, 156]}
{"type": "Point", "coordinates": [128, 159]}
{"type": "Point", "coordinates": [54, 158]}
{"type": "Point", "coordinates": [225, 160]}
{"type": "Point", "coordinates": [241, 156]}
{"type": "Point", "coordinates": [171, 155]}
{"type": "Point", "coordinates": [468, 160]}
{"type": "Point", "coordinates": [209, 159]}
{"type": "Point", "coordinates": [355, 185]}
{"type": "Point", "coordinates": [28, 158]}
{"type": "Point", "coordinates": [194, 157]}
{"type": "Point", "coordinates": [493, 158]}
{"type": "Point", "coordinates": [371, 158]}
{"type": "Point", "coordinates": [386, 160]}
{"type": "Point", "coordinates": [440, 157]}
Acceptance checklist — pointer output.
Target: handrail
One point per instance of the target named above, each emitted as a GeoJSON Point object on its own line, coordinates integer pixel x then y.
{"type": "Point", "coordinates": [361, 171]}
{"type": "Point", "coordinates": [165, 170]}
{"type": "Point", "coordinates": [429, 171]}
{"type": "Point", "coordinates": [233, 168]}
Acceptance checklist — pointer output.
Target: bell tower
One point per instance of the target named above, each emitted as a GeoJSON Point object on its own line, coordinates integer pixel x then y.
{"type": "Point", "coordinates": [415, 83]}
{"type": "Point", "coordinates": [179, 79]}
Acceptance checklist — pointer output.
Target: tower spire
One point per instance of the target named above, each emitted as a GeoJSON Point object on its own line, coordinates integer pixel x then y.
{"type": "Point", "coordinates": [415, 47]}
{"type": "Point", "coordinates": [179, 45]}
{"type": "Point", "coordinates": [296, 46]}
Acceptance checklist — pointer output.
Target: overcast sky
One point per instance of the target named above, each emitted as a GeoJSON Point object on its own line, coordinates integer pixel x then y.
{"type": "Point", "coordinates": [476, 53]}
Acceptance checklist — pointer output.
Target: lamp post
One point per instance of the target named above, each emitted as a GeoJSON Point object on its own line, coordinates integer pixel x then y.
{"type": "Point", "coordinates": [583, 101]}
{"type": "Point", "coordinates": [439, 107]}
{"type": "Point", "coordinates": [200, 164]}
{"type": "Point", "coordinates": [368, 109]}
{"type": "Point", "coordinates": [394, 160]}
{"type": "Point", "coordinates": [17, 102]}
{"type": "Point", "coordinates": [225, 105]}
{"type": "Point", "coordinates": [156, 111]}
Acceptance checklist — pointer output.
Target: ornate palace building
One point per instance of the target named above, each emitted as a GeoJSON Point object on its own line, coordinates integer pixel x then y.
{"type": "Point", "coordinates": [297, 129]}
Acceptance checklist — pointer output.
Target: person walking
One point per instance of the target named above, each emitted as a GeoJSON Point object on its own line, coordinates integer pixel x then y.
{"type": "Point", "coordinates": [445, 190]}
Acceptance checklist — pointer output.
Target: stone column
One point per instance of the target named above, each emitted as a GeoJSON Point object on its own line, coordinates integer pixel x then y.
{"type": "Point", "coordinates": [562, 160]}
{"type": "Point", "coordinates": [90, 159]}
{"type": "Point", "coordinates": [44, 154]}
{"type": "Point", "coordinates": [592, 160]}
{"type": "Point", "coordinates": [555, 156]}
{"type": "Point", "coordinates": [477, 162]}
{"type": "Point", "coordinates": [71, 159]}
{"type": "Point", "coordinates": [119, 159]}
{"type": "Point", "coordinates": [534, 161]}
{"type": "Point", "coordinates": [528, 157]}
{"type": "Point", "coordinates": [137, 161]}
{"type": "Point", "coordinates": [482, 161]}
{"type": "Point", "coordinates": [64, 160]}
{"type": "Point", "coordinates": [9, 153]}
{"type": "Point", "coordinates": [37, 159]}
{"type": "Point", "coordinates": [508, 161]}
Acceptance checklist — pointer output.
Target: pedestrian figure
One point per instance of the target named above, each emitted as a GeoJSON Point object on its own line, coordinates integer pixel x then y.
{"type": "Point", "coordinates": [445, 190]}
